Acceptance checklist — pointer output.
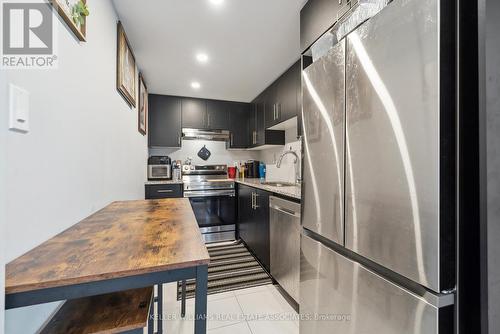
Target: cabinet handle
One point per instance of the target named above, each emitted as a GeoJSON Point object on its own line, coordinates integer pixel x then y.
{"type": "Point", "coordinates": [231, 141]}
{"type": "Point", "coordinates": [165, 191]}
{"type": "Point", "coordinates": [256, 206]}
{"type": "Point", "coordinates": [253, 198]}
{"type": "Point", "coordinates": [274, 111]}
{"type": "Point", "coordinates": [179, 140]}
{"type": "Point", "coordinates": [208, 118]}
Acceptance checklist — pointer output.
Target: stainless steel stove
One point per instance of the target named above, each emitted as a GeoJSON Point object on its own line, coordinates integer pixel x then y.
{"type": "Point", "coordinates": [213, 198]}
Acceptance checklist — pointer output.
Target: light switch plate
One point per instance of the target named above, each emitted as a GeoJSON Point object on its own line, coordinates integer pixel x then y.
{"type": "Point", "coordinates": [19, 106]}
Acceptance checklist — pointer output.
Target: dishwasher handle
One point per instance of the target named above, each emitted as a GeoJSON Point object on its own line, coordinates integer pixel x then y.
{"type": "Point", "coordinates": [285, 211]}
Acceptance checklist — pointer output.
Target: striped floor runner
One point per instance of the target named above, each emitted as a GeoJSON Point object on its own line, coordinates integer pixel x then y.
{"type": "Point", "coordinates": [231, 267]}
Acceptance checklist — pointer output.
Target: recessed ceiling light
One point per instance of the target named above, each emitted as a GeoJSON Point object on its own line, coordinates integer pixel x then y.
{"type": "Point", "coordinates": [195, 85]}
{"type": "Point", "coordinates": [202, 57]}
{"type": "Point", "coordinates": [217, 2]}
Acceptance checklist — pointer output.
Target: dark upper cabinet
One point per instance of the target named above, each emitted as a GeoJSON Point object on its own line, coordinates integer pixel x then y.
{"type": "Point", "coordinates": [217, 115]}
{"type": "Point", "coordinates": [260, 120]}
{"type": "Point", "coordinates": [317, 16]}
{"type": "Point", "coordinates": [194, 113]}
{"type": "Point", "coordinates": [164, 121]}
{"type": "Point", "coordinates": [271, 101]}
{"type": "Point", "coordinates": [253, 222]}
{"type": "Point", "coordinates": [281, 97]}
{"type": "Point", "coordinates": [288, 107]}
{"type": "Point", "coordinates": [252, 124]}
{"type": "Point", "coordinates": [259, 136]}
{"type": "Point", "coordinates": [239, 118]}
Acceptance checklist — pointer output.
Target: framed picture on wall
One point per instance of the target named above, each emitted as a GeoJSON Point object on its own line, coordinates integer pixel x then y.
{"type": "Point", "coordinates": [143, 105]}
{"type": "Point", "coordinates": [125, 68]}
{"type": "Point", "coordinates": [74, 13]}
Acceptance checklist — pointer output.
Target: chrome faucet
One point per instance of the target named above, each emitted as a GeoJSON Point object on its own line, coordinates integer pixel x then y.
{"type": "Point", "coordinates": [298, 177]}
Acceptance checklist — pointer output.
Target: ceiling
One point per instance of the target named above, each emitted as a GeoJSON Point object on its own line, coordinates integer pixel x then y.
{"type": "Point", "coordinates": [249, 44]}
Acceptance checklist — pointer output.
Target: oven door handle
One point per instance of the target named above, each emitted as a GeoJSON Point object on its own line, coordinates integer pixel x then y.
{"type": "Point", "coordinates": [214, 193]}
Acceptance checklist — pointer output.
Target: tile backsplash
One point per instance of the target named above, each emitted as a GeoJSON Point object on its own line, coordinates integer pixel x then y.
{"type": "Point", "coordinates": [220, 155]}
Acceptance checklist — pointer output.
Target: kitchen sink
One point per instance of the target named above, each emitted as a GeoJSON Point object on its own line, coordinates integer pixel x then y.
{"type": "Point", "coordinates": [279, 184]}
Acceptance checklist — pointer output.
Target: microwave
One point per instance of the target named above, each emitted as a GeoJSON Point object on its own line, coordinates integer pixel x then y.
{"type": "Point", "coordinates": [159, 168]}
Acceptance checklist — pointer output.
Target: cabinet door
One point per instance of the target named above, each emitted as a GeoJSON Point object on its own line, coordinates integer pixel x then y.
{"type": "Point", "coordinates": [287, 92]}
{"type": "Point", "coordinates": [252, 124]}
{"type": "Point", "coordinates": [194, 113]}
{"type": "Point", "coordinates": [157, 191]}
{"type": "Point", "coordinates": [271, 101]}
{"type": "Point", "coordinates": [239, 114]}
{"type": "Point", "coordinates": [164, 120]}
{"type": "Point", "coordinates": [261, 220]}
{"type": "Point", "coordinates": [217, 115]}
{"type": "Point", "coordinates": [260, 120]}
{"type": "Point", "coordinates": [245, 213]}
{"type": "Point", "coordinates": [316, 17]}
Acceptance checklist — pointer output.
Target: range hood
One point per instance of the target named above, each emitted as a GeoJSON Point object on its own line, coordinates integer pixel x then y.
{"type": "Point", "coordinates": [214, 135]}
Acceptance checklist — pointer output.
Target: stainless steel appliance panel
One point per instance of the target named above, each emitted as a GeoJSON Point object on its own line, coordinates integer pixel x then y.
{"type": "Point", "coordinates": [393, 140]}
{"type": "Point", "coordinates": [323, 118]}
{"type": "Point", "coordinates": [355, 299]}
{"type": "Point", "coordinates": [285, 244]}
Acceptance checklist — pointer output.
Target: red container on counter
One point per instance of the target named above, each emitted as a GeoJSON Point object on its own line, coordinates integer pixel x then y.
{"type": "Point", "coordinates": [231, 172]}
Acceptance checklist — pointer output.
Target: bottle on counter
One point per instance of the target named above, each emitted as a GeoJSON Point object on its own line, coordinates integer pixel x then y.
{"type": "Point", "coordinates": [176, 170]}
{"type": "Point", "coordinates": [242, 170]}
{"type": "Point", "coordinates": [262, 170]}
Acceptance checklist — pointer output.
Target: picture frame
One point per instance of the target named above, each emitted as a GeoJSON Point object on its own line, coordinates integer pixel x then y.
{"type": "Point", "coordinates": [142, 110]}
{"type": "Point", "coordinates": [64, 8]}
{"type": "Point", "coordinates": [126, 76]}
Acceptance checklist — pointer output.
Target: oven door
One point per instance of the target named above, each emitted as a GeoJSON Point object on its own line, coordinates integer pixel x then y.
{"type": "Point", "coordinates": [213, 208]}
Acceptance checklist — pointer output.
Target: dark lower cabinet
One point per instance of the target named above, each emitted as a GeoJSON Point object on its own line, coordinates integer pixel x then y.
{"type": "Point", "coordinates": [158, 191]}
{"type": "Point", "coordinates": [164, 121]}
{"type": "Point", "coordinates": [253, 222]}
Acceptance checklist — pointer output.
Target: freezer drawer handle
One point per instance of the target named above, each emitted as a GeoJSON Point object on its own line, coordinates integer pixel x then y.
{"type": "Point", "coordinates": [165, 191]}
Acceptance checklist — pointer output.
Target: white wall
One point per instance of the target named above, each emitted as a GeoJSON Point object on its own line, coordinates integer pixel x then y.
{"type": "Point", "coordinates": [3, 160]}
{"type": "Point", "coordinates": [83, 150]}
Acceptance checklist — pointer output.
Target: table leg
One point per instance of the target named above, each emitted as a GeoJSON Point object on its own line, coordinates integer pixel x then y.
{"type": "Point", "coordinates": [160, 308]}
{"type": "Point", "coordinates": [183, 299]}
{"type": "Point", "coordinates": [151, 322]}
{"type": "Point", "coordinates": [200, 306]}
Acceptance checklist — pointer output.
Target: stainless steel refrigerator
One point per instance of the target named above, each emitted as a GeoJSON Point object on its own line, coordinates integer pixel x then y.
{"type": "Point", "coordinates": [378, 216]}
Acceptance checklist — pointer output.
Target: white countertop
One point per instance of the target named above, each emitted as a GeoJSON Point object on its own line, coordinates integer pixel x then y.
{"type": "Point", "coordinates": [291, 191]}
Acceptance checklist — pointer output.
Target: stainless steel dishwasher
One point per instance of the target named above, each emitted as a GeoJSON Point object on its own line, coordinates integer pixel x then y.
{"type": "Point", "coordinates": [285, 244]}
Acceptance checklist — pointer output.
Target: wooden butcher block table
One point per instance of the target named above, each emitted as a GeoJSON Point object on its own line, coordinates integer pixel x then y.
{"type": "Point", "coordinates": [127, 245]}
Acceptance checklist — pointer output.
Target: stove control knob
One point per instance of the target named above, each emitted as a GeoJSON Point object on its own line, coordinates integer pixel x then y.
{"type": "Point", "coordinates": [192, 167]}
{"type": "Point", "coordinates": [217, 167]}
